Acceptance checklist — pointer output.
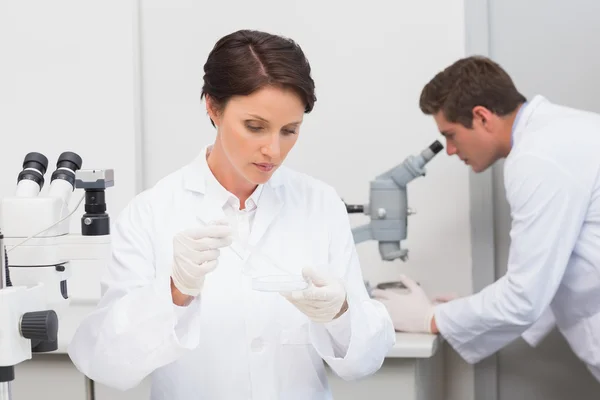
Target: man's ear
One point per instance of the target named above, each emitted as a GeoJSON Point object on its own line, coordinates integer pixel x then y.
{"type": "Point", "coordinates": [483, 116]}
{"type": "Point", "coordinates": [213, 111]}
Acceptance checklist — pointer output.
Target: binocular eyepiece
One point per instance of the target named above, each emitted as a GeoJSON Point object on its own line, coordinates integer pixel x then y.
{"type": "Point", "coordinates": [67, 177]}
{"type": "Point", "coordinates": [31, 179]}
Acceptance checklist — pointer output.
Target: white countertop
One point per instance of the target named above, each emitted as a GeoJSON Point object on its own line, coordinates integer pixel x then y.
{"type": "Point", "coordinates": [408, 345]}
{"type": "Point", "coordinates": [415, 345]}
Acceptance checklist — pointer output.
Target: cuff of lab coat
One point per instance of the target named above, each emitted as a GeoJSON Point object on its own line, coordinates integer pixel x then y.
{"type": "Point", "coordinates": [332, 339]}
{"type": "Point", "coordinates": [371, 336]}
{"type": "Point", "coordinates": [450, 331]}
{"type": "Point", "coordinates": [325, 343]}
{"type": "Point", "coordinates": [184, 320]}
{"type": "Point", "coordinates": [540, 329]}
{"type": "Point", "coordinates": [187, 323]}
{"type": "Point", "coordinates": [340, 332]}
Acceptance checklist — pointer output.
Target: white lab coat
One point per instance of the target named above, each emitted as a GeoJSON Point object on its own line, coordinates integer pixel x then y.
{"type": "Point", "coordinates": [231, 342]}
{"type": "Point", "coordinates": [552, 181]}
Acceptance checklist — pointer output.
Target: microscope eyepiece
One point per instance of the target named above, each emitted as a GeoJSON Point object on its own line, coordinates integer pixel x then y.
{"type": "Point", "coordinates": [62, 182]}
{"type": "Point", "coordinates": [68, 163]}
{"type": "Point", "coordinates": [436, 147]}
{"type": "Point", "coordinates": [36, 161]}
{"type": "Point", "coordinates": [31, 179]}
{"type": "Point", "coordinates": [69, 160]}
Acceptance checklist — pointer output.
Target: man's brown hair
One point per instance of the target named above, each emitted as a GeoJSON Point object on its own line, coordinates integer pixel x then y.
{"type": "Point", "coordinates": [470, 82]}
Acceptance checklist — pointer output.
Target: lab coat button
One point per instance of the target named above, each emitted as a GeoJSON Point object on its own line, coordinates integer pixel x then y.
{"type": "Point", "coordinates": [257, 345]}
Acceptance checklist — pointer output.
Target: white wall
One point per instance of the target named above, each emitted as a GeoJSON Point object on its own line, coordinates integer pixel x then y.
{"type": "Point", "coordinates": [369, 63]}
{"type": "Point", "coordinates": [73, 60]}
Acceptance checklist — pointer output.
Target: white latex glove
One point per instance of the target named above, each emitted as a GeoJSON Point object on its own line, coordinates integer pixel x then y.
{"type": "Point", "coordinates": [196, 253]}
{"type": "Point", "coordinates": [324, 298]}
{"type": "Point", "coordinates": [444, 298]}
{"type": "Point", "coordinates": [410, 312]}
{"type": "Point", "coordinates": [540, 329]}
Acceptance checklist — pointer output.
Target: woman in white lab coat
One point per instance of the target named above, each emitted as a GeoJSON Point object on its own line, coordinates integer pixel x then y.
{"type": "Point", "coordinates": [178, 302]}
{"type": "Point", "coordinates": [552, 181]}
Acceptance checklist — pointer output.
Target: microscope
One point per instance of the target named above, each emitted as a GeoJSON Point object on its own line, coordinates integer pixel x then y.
{"type": "Point", "coordinates": [39, 252]}
{"type": "Point", "coordinates": [388, 208]}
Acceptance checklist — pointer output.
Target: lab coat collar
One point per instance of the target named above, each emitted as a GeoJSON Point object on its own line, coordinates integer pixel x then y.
{"type": "Point", "coordinates": [198, 178]}
{"type": "Point", "coordinates": [526, 116]}
{"type": "Point", "coordinates": [218, 193]}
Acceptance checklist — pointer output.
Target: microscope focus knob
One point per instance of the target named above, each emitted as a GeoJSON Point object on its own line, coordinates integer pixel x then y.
{"type": "Point", "coordinates": [40, 325]}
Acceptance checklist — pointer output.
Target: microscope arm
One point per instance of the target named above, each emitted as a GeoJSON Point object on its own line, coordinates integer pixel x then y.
{"type": "Point", "coordinates": [362, 234]}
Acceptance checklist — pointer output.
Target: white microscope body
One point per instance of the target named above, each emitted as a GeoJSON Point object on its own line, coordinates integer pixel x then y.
{"type": "Point", "coordinates": [43, 256]}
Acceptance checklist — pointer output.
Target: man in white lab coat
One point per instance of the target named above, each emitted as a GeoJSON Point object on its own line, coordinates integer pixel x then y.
{"type": "Point", "coordinates": [552, 181]}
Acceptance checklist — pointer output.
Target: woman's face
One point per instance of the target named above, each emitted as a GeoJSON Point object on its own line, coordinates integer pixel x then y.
{"type": "Point", "coordinates": [256, 132]}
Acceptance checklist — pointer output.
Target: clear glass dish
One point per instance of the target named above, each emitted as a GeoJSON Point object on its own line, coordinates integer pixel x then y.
{"type": "Point", "coordinates": [279, 283]}
{"type": "Point", "coordinates": [268, 275]}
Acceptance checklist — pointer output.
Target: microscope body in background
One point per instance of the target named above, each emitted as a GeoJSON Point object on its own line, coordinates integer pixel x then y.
{"type": "Point", "coordinates": [388, 207]}
{"type": "Point", "coordinates": [43, 258]}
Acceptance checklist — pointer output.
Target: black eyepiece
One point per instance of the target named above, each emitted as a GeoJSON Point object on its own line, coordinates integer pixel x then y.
{"type": "Point", "coordinates": [36, 161]}
{"type": "Point", "coordinates": [69, 160]}
{"type": "Point", "coordinates": [68, 163]}
{"type": "Point", "coordinates": [34, 168]}
{"type": "Point", "coordinates": [436, 147]}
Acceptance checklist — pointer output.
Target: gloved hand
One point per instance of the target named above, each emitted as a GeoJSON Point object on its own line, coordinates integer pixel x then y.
{"type": "Point", "coordinates": [410, 312]}
{"type": "Point", "coordinates": [444, 298]}
{"type": "Point", "coordinates": [196, 253]}
{"type": "Point", "coordinates": [323, 300]}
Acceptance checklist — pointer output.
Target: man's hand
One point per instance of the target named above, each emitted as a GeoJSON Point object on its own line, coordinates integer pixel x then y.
{"type": "Point", "coordinates": [410, 312]}
{"type": "Point", "coordinates": [195, 254]}
{"type": "Point", "coordinates": [323, 301]}
{"type": "Point", "coordinates": [444, 298]}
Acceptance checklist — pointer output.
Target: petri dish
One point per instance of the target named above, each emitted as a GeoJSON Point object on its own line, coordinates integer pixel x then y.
{"type": "Point", "coordinates": [279, 283]}
{"type": "Point", "coordinates": [259, 264]}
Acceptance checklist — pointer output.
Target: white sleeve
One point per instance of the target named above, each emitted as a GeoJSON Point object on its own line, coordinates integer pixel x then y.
{"type": "Point", "coordinates": [548, 209]}
{"type": "Point", "coordinates": [540, 329]}
{"type": "Point", "coordinates": [356, 344]}
{"type": "Point", "coordinates": [135, 328]}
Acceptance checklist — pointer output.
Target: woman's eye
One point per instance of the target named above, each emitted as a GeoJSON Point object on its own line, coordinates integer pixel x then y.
{"type": "Point", "coordinates": [289, 131]}
{"type": "Point", "coordinates": [254, 128]}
